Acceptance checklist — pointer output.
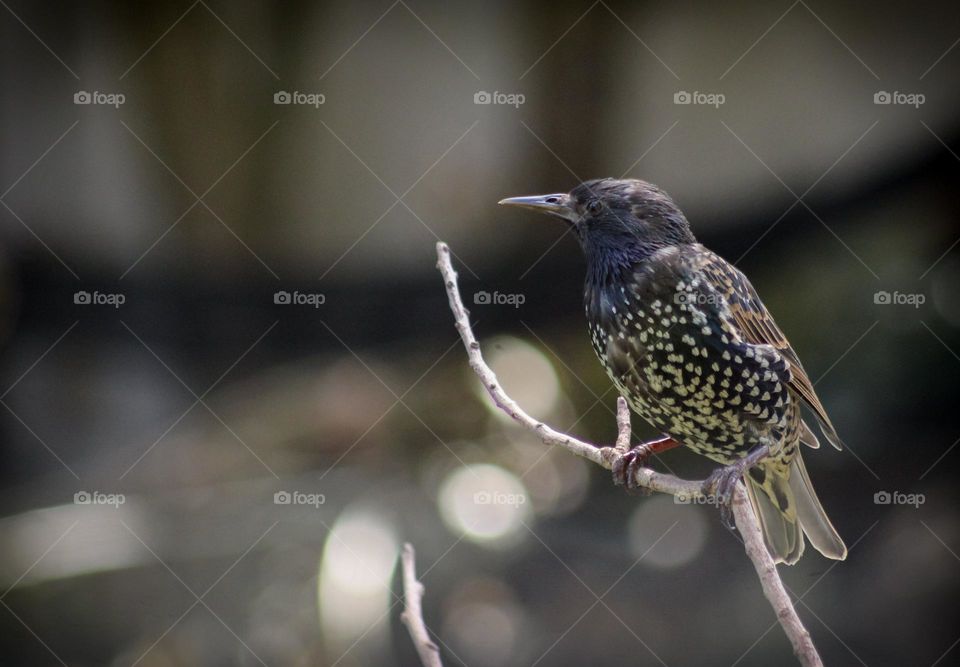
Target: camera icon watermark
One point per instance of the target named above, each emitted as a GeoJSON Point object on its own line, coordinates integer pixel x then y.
{"type": "Point", "coordinates": [899, 498]}
{"type": "Point", "coordinates": [499, 498]}
{"type": "Point", "coordinates": [496, 97]}
{"type": "Point", "coordinates": [296, 97]}
{"type": "Point", "coordinates": [299, 498]}
{"type": "Point", "coordinates": [296, 298]}
{"type": "Point", "coordinates": [697, 499]}
{"type": "Point", "coordinates": [898, 98]}
{"type": "Point", "coordinates": [884, 298]}
{"type": "Point", "coordinates": [484, 298]}
{"type": "Point", "coordinates": [96, 97]}
{"type": "Point", "coordinates": [85, 298]}
{"type": "Point", "coordinates": [114, 500]}
{"type": "Point", "coordinates": [697, 97]}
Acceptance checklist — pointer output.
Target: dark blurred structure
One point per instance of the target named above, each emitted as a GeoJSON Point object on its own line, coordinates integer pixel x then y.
{"type": "Point", "coordinates": [220, 469]}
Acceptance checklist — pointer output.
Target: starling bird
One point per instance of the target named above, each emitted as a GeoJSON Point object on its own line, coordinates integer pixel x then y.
{"type": "Point", "coordinates": [690, 345]}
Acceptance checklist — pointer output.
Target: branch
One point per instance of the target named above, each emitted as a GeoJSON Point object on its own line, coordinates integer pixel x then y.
{"type": "Point", "coordinates": [412, 615]}
{"type": "Point", "coordinates": [605, 457]}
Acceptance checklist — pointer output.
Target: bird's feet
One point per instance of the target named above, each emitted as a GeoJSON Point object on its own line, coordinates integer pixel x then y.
{"type": "Point", "coordinates": [723, 481]}
{"type": "Point", "coordinates": [626, 466]}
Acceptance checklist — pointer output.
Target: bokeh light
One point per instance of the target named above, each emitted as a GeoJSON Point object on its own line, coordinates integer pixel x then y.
{"type": "Point", "coordinates": [101, 543]}
{"type": "Point", "coordinates": [485, 623]}
{"type": "Point", "coordinates": [666, 532]}
{"type": "Point", "coordinates": [355, 573]}
{"type": "Point", "coordinates": [485, 502]}
{"type": "Point", "coordinates": [525, 373]}
{"type": "Point", "coordinates": [558, 483]}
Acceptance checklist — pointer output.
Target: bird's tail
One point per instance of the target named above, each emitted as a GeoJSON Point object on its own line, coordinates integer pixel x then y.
{"type": "Point", "coordinates": [786, 504]}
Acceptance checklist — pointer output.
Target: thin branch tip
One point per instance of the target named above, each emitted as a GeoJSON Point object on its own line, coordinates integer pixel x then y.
{"type": "Point", "coordinates": [412, 614]}
{"type": "Point", "coordinates": [624, 429]}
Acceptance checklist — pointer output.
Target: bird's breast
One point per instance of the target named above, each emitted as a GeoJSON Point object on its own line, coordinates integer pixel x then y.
{"type": "Point", "coordinates": [671, 356]}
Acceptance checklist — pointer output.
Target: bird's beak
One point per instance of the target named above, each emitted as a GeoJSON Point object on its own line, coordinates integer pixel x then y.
{"type": "Point", "coordinates": [557, 204]}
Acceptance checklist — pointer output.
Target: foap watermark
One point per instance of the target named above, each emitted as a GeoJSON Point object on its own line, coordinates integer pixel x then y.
{"type": "Point", "coordinates": [896, 97]}
{"type": "Point", "coordinates": [484, 298]}
{"type": "Point", "coordinates": [699, 98]}
{"type": "Point", "coordinates": [684, 499]}
{"type": "Point", "coordinates": [95, 298]}
{"type": "Point", "coordinates": [884, 298]}
{"type": "Point", "coordinates": [499, 498]}
{"type": "Point", "coordinates": [697, 298]}
{"type": "Point", "coordinates": [299, 498]}
{"type": "Point", "coordinates": [296, 97]}
{"type": "Point", "coordinates": [899, 498]}
{"type": "Point", "coordinates": [297, 298]}
{"type": "Point", "coordinates": [99, 98]}
{"type": "Point", "coordinates": [114, 500]}
{"type": "Point", "coordinates": [496, 97]}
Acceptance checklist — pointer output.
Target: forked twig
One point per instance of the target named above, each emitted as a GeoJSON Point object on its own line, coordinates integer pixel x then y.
{"type": "Point", "coordinates": [605, 457]}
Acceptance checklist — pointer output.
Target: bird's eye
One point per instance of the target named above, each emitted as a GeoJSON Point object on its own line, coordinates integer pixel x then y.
{"type": "Point", "coordinates": [594, 207]}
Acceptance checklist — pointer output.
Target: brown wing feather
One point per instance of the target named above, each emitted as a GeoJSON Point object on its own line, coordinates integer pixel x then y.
{"type": "Point", "coordinates": [758, 327]}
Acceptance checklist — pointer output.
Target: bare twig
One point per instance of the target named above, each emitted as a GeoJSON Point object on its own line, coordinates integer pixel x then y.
{"type": "Point", "coordinates": [623, 426]}
{"type": "Point", "coordinates": [743, 514]}
{"type": "Point", "coordinates": [770, 580]}
{"type": "Point", "coordinates": [412, 615]}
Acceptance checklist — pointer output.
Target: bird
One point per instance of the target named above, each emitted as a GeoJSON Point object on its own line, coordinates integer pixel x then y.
{"type": "Point", "coordinates": [687, 341]}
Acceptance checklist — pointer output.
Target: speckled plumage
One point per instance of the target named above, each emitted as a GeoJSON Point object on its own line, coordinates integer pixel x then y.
{"type": "Point", "coordinates": [685, 338]}
{"type": "Point", "coordinates": [671, 346]}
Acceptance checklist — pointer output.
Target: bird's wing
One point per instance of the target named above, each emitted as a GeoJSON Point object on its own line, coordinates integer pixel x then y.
{"type": "Point", "coordinates": [757, 326]}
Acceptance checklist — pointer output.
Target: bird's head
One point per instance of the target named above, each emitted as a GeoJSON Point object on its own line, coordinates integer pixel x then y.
{"type": "Point", "coordinates": [617, 220]}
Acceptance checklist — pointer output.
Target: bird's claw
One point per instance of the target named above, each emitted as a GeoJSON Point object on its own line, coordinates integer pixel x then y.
{"type": "Point", "coordinates": [626, 465]}
{"type": "Point", "coordinates": [722, 482]}
{"type": "Point", "coordinates": [625, 469]}
{"type": "Point", "coordinates": [720, 485]}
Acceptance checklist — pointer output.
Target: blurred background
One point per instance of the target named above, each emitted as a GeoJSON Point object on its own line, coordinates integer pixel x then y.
{"type": "Point", "coordinates": [231, 387]}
